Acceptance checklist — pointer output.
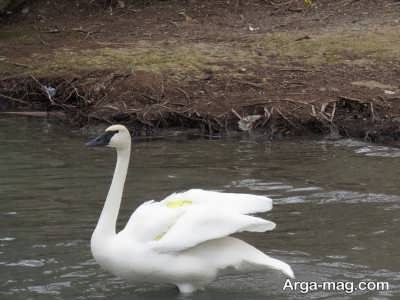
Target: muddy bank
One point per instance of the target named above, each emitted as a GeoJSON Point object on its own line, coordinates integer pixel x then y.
{"type": "Point", "coordinates": [277, 69]}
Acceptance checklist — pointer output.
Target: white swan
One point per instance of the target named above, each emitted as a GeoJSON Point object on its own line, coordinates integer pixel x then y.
{"type": "Point", "coordinates": [183, 239]}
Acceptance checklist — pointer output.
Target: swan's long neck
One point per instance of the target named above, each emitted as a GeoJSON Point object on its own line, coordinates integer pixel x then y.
{"type": "Point", "coordinates": [108, 218]}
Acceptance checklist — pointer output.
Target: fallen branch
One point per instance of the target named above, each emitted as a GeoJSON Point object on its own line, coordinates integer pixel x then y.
{"type": "Point", "coordinates": [45, 90]}
{"type": "Point", "coordinates": [13, 99]}
{"type": "Point", "coordinates": [40, 114]}
{"type": "Point", "coordinates": [333, 111]}
{"type": "Point", "coordinates": [86, 32]}
{"type": "Point", "coordinates": [351, 99]}
{"type": "Point", "coordinates": [372, 111]}
{"type": "Point", "coordinates": [284, 117]}
{"type": "Point", "coordinates": [253, 84]}
{"type": "Point", "coordinates": [295, 70]}
{"type": "Point", "coordinates": [236, 114]}
{"type": "Point", "coordinates": [54, 30]}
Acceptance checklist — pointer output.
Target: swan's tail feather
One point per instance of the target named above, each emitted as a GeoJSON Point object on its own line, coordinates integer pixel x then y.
{"type": "Point", "coordinates": [231, 254]}
{"type": "Point", "coordinates": [260, 261]}
{"type": "Point", "coordinates": [279, 265]}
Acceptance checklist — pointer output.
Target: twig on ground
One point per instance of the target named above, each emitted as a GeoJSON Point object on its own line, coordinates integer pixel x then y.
{"type": "Point", "coordinates": [267, 114]}
{"type": "Point", "coordinates": [305, 37]}
{"type": "Point", "coordinates": [44, 43]}
{"type": "Point", "coordinates": [236, 114]}
{"type": "Point", "coordinates": [295, 70]}
{"type": "Point", "coordinates": [351, 99]}
{"type": "Point", "coordinates": [152, 99]}
{"type": "Point", "coordinates": [114, 43]}
{"type": "Point", "coordinates": [13, 99]}
{"type": "Point", "coordinates": [333, 111]}
{"type": "Point", "coordinates": [372, 111]}
{"type": "Point", "coordinates": [87, 32]}
{"type": "Point", "coordinates": [54, 30]}
{"type": "Point", "coordinates": [80, 96]}
{"type": "Point", "coordinates": [40, 114]}
{"type": "Point", "coordinates": [275, 101]}
{"type": "Point", "coordinates": [257, 85]}
{"type": "Point", "coordinates": [313, 112]}
{"type": "Point", "coordinates": [16, 64]}
{"type": "Point", "coordinates": [184, 93]}
{"type": "Point", "coordinates": [44, 89]}
{"type": "Point", "coordinates": [284, 117]}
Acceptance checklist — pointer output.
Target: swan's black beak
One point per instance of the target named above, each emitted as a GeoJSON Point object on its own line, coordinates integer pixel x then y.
{"type": "Point", "coordinates": [101, 140]}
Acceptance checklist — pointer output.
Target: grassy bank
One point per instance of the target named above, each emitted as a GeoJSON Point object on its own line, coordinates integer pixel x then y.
{"type": "Point", "coordinates": [185, 69]}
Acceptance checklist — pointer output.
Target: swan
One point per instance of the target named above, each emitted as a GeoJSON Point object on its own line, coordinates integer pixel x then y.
{"type": "Point", "coordinates": [182, 240]}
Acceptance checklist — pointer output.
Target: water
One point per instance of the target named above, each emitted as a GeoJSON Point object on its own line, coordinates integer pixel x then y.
{"type": "Point", "coordinates": [336, 205]}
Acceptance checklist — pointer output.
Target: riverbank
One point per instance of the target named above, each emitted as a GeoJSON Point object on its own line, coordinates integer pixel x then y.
{"type": "Point", "coordinates": [274, 68]}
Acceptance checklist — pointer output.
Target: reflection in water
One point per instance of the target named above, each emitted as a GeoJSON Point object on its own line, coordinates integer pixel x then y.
{"type": "Point", "coordinates": [368, 149]}
{"type": "Point", "coordinates": [336, 209]}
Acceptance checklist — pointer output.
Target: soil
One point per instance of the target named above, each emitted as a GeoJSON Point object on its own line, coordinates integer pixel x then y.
{"type": "Point", "coordinates": [277, 68]}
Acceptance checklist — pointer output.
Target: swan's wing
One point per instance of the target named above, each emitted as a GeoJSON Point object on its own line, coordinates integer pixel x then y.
{"type": "Point", "coordinates": [195, 216]}
{"type": "Point", "coordinates": [234, 202]}
{"type": "Point", "coordinates": [200, 224]}
{"type": "Point", "coordinates": [150, 220]}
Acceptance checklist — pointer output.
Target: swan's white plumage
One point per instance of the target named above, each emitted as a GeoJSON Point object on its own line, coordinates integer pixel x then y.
{"type": "Point", "coordinates": [195, 217]}
{"type": "Point", "coordinates": [183, 239]}
{"type": "Point", "coordinates": [240, 203]}
{"type": "Point", "coordinates": [200, 224]}
{"type": "Point", "coordinates": [150, 220]}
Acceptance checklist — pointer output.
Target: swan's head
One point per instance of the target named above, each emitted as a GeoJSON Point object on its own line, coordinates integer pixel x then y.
{"type": "Point", "coordinates": [115, 136]}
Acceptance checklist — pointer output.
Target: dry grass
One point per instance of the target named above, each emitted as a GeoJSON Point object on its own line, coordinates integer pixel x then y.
{"type": "Point", "coordinates": [355, 47]}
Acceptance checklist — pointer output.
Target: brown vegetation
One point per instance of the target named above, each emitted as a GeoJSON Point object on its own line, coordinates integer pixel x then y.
{"type": "Point", "coordinates": [329, 68]}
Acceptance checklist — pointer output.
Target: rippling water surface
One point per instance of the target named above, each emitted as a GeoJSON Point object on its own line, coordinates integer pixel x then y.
{"type": "Point", "coordinates": [337, 206]}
